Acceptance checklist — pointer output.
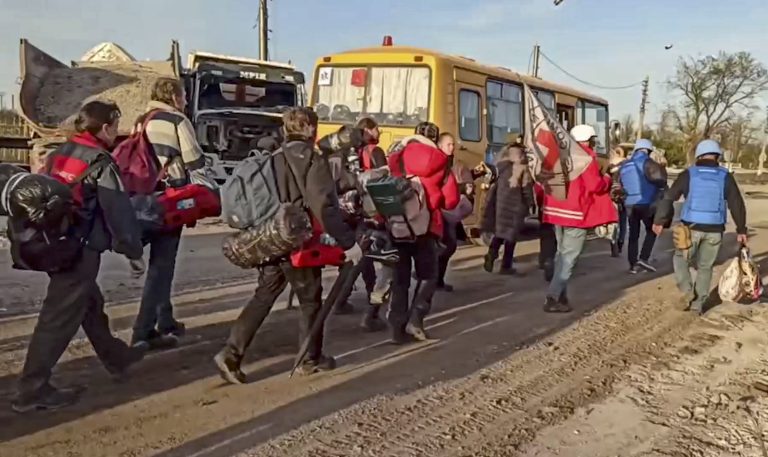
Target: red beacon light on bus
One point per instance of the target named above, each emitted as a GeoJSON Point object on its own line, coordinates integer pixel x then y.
{"type": "Point", "coordinates": [387, 40]}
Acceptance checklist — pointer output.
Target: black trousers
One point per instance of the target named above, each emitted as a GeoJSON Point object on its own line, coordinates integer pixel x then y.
{"type": "Point", "coordinates": [547, 244]}
{"type": "Point", "coordinates": [73, 300]}
{"type": "Point", "coordinates": [640, 214]}
{"type": "Point", "coordinates": [509, 251]}
{"type": "Point", "coordinates": [306, 283]}
{"type": "Point", "coordinates": [421, 254]}
{"type": "Point", "coordinates": [450, 244]}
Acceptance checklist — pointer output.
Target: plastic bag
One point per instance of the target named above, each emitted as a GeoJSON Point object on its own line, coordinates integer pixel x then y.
{"type": "Point", "coordinates": [276, 238]}
{"type": "Point", "coordinates": [741, 281]}
{"type": "Point", "coordinates": [39, 200]}
{"type": "Point", "coordinates": [6, 172]}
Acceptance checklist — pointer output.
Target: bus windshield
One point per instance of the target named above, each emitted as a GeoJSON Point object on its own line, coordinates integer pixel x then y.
{"type": "Point", "coordinates": [391, 95]}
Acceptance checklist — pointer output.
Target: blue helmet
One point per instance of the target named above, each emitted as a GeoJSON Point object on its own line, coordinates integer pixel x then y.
{"type": "Point", "coordinates": [642, 143]}
{"type": "Point", "coordinates": [708, 147]}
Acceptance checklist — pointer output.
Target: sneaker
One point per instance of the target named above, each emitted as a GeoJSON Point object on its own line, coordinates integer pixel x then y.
{"type": "Point", "coordinates": [552, 305]}
{"type": "Point", "coordinates": [344, 308]}
{"type": "Point", "coordinates": [372, 322]}
{"type": "Point", "coordinates": [415, 328]}
{"type": "Point", "coordinates": [177, 329]}
{"type": "Point", "coordinates": [133, 355]}
{"type": "Point", "coordinates": [488, 263]}
{"type": "Point", "coordinates": [229, 369]}
{"type": "Point", "coordinates": [48, 399]}
{"type": "Point", "coordinates": [635, 270]}
{"type": "Point", "coordinates": [155, 341]}
{"type": "Point", "coordinates": [564, 299]}
{"type": "Point", "coordinates": [645, 265]}
{"type": "Point", "coordinates": [322, 364]}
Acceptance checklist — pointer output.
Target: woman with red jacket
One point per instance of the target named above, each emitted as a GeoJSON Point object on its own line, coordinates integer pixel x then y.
{"type": "Point", "coordinates": [421, 158]}
{"type": "Point", "coordinates": [587, 205]}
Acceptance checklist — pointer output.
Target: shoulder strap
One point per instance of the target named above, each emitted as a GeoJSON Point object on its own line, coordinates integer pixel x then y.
{"type": "Point", "coordinates": [299, 182]}
{"type": "Point", "coordinates": [101, 161]}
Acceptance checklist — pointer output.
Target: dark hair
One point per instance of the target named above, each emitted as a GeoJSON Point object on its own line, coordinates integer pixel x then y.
{"type": "Point", "coordinates": [429, 130]}
{"type": "Point", "coordinates": [300, 122]}
{"type": "Point", "coordinates": [93, 116]}
{"type": "Point", "coordinates": [367, 123]}
{"type": "Point", "coordinates": [165, 89]}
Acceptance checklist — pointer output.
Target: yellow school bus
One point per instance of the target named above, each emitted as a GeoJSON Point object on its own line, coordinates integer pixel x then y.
{"type": "Point", "coordinates": [482, 105]}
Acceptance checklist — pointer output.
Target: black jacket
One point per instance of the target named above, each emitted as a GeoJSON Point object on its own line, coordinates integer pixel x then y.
{"type": "Point", "coordinates": [304, 178]}
{"type": "Point", "coordinates": [106, 213]}
{"type": "Point", "coordinates": [506, 205]}
{"type": "Point", "coordinates": [666, 211]}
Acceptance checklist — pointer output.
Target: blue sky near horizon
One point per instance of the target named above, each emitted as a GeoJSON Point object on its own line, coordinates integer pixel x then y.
{"type": "Point", "coordinates": [612, 43]}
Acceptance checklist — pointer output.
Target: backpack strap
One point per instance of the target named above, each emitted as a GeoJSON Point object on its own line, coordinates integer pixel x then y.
{"type": "Point", "coordinates": [101, 161]}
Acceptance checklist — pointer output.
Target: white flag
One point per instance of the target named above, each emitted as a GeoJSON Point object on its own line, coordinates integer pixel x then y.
{"type": "Point", "coordinates": [556, 158]}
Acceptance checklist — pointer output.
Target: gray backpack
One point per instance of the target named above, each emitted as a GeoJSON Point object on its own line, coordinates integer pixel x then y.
{"type": "Point", "coordinates": [249, 197]}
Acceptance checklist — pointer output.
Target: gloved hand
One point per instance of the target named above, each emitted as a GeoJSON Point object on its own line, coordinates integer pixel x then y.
{"type": "Point", "coordinates": [355, 253]}
{"type": "Point", "coordinates": [138, 267]}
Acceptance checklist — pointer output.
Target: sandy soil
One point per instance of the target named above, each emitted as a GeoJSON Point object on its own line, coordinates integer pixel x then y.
{"type": "Point", "coordinates": [627, 374]}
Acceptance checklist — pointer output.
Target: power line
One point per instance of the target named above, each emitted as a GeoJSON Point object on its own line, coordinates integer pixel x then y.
{"type": "Point", "coordinates": [598, 86]}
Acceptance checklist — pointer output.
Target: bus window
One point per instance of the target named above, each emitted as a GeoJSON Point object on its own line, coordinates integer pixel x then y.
{"type": "Point", "coordinates": [597, 117]}
{"type": "Point", "coordinates": [469, 115]}
{"type": "Point", "coordinates": [547, 99]}
{"type": "Point", "coordinates": [505, 111]}
{"type": "Point", "coordinates": [390, 95]}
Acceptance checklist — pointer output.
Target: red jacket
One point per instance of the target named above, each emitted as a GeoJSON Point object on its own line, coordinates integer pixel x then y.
{"type": "Point", "coordinates": [432, 167]}
{"type": "Point", "coordinates": [588, 203]}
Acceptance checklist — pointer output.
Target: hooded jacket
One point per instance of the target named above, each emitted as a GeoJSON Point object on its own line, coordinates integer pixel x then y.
{"type": "Point", "coordinates": [588, 203]}
{"type": "Point", "coordinates": [107, 213]}
{"type": "Point", "coordinates": [421, 158]}
{"type": "Point", "coordinates": [510, 197]}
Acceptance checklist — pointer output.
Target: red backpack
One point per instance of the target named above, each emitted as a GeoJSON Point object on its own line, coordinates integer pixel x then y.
{"type": "Point", "coordinates": [139, 167]}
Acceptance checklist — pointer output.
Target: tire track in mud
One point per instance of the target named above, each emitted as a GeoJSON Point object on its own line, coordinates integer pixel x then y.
{"type": "Point", "coordinates": [500, 408]}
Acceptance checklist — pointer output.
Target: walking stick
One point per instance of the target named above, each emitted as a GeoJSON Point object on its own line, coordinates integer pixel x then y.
{"type": "Point", "coordinates": [348, 274]}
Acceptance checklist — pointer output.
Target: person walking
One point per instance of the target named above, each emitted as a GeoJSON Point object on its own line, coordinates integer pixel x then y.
{"type": "Point", "coordinates": [173, 141]}
{"type": "Point", "coordinates": [508, 203]}
{"type": "Point", "coordinates": [304, 179]}
{"type": "Point", "coordinates": [421, 158]}
{"type": "Point", "coordinates": [710, 192]}
{"type": "Point", "coordinates": [641, 179]}
{"type": "Point", "coordinates": [587, 205]}
{"type": "Point", "coordinates": [73, 299]}
{"type": "Point", "coordinates": [452, 218]}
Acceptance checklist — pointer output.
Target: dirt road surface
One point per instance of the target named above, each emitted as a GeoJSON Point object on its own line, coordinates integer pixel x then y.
{"type": "Point", "coordinates": [627, 374]}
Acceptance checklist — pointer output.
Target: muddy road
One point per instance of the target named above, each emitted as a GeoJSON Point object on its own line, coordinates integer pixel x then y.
{"type": "Point", "coordinates": [499, 378]}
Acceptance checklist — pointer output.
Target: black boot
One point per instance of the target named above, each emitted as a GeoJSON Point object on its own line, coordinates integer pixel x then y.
{"type": "Point", "coordinates": [371, 321]}
{"type": "Point", "coordinates": [489, 261]}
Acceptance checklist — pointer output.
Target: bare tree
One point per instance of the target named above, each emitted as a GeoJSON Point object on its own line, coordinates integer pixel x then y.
{"type": "Point", "coordinates": [627, 129]}
{"type": "Point", "coordinates": [713, 89]}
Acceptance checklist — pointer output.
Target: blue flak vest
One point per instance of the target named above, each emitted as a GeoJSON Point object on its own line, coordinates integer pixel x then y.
{"type": "Point", "coordinates": [705, 203]}
{"type": "Point", "coordinates": [639, 190]}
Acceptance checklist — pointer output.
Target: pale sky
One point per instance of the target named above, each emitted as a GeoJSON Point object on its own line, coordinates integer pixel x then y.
{"type": "Point", "coordinates": [607, 42]}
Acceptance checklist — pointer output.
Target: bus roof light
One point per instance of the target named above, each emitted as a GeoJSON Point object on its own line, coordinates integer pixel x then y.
{"type": "Point", "coordinates": [387, 40]}
{"type": "Point", "coordinates": [326, 59]}
{"type": "Point", "coordinates": [418, 58]}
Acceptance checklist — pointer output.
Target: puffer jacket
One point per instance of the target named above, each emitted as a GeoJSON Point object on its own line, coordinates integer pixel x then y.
{"type": "Point", "coordinates": [510, 198]}
{"type": "Point", "coordinates": [588, 203]}
{"type": "Point", "coordinates": [432, 167]}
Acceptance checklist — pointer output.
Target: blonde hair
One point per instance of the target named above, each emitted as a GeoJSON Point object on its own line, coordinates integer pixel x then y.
{"type": "Point", "coordinates": [300, 122]}
{"type": "Point", "coordinates": [165, 89]}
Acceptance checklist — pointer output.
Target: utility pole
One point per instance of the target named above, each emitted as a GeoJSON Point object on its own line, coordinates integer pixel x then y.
{"type": "Point", "coordinates": [263, 30]}
{"type": "Point", "coordinates": [536, 57]}
{"type": "Point", "coordinates": [643, 102]}
{"type": "Point", "coordinates": [2, 100]}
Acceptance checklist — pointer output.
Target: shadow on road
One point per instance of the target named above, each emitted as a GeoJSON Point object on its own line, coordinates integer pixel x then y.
{"type": "Point", "coordinates": [484, 321]}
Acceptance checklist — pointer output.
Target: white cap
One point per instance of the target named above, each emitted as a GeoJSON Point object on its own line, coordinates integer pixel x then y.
{"type": "Point", "coordinates": [583, 132]}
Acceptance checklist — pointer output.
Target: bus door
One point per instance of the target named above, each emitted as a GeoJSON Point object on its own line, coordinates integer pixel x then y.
{"type": "Point", "coordinates": [566, 116]}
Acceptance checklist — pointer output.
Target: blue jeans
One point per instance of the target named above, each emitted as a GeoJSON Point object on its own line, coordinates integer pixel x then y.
{"type": "Point", "coordinates": [570, 243]}
{"type": "Point", "coordinates": [156, 308]}
{"type": "Point", "coordinates": [701, 256]}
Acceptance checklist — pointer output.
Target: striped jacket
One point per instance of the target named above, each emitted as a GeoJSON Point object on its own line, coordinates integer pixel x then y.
{"type": "Point", "coordinates": [173, 140]}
